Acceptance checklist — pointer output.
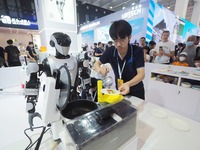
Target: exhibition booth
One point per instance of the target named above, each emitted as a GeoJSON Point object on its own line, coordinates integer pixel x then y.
{"type": "Point", "coordinates": [170, 113]}
{"type": "Point", "coordinates": [41, 95]}
{"type": "Point", "coordinates": [148, 19]}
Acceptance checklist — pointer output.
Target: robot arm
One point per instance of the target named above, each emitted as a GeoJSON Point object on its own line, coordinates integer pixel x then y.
{"type": "Point", "coordinates": [31, 91]}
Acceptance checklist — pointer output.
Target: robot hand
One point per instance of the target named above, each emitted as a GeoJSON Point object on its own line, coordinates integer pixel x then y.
{"type": "Point", "coordinates": [31, 91]}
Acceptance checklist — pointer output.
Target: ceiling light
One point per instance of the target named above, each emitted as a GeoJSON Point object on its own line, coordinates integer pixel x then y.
{"type": "Point", "coordinates": [133, 4]}
{"type": "Point", "coordinates": [104, 12]}
{"type": "Point", "coordinates": [96, 10]}
{"type": "Point", "coordinates": [111, 7]}
{"type": "Point", "coordinates": [168, 7]}
{"type": "Point", "coordinates": [123, 7]}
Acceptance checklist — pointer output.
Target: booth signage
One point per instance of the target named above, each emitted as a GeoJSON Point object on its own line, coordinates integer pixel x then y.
{"type": "Point", "coordinates": [136, 10]}
{"type": "Point", "coordinates": [90, 25]}
{"type": "Point", "coordinates": [14, 21]}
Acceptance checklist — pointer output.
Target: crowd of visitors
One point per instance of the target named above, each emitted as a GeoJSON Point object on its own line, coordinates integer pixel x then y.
{"type": "Point", "coordinates": [10, 55]}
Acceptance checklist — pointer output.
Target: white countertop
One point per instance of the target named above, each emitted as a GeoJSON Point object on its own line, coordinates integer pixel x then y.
{"type": "Point", "coordinates": [156, 133]}
{"type": "Point", "coordinates": [154, 130]}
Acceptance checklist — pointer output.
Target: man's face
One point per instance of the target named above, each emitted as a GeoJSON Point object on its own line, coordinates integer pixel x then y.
{"type": "Point", "coordinates": [165, 36]}
{"type": "Point", "coordinates": [196, 42]}
{"type": "Point", "coordinates": [152, 46]}
{"type": "Point", "coordinates": [101, 45]}
{"type": "Point", "coordinates": [121, 44]}
{"type": "Point", "coordinates": [197, 63]}
{"type": "Point", "coordinates": [142, 41]}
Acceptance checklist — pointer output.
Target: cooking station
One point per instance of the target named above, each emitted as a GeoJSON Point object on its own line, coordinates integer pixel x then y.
{"type": "Point", "coordinates": [106, 128]}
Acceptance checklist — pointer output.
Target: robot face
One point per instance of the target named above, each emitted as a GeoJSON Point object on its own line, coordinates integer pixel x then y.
{"type": "Point", "coordinates": [61, 42]}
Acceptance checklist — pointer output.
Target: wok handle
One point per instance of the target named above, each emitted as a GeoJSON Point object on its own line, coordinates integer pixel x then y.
{"type": "Point", "coordinates": [104, 113]}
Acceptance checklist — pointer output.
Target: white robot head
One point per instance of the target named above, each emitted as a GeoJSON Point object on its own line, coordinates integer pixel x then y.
{"type": "Point", "coordinates": [61, 42]}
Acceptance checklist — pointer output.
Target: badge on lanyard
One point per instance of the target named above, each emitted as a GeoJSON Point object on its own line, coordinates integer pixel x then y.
{"type": "Point", "coordinates": [120, 81]}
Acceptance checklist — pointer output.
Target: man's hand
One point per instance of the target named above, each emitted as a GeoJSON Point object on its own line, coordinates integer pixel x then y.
{"type": "Point", "coordinates": [162, 53]}
{"type": "Point", "coordinates": [103, 70]}
{"type": "Point", "coordinates": [124, 88]}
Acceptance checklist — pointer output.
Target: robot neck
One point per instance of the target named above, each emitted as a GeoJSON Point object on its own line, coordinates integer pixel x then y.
{"type": "Point", "coordinates": [60, 56]}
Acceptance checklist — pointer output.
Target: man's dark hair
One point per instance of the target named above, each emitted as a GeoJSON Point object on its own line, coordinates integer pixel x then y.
{"type": "Point", "coordinates": [152, 43]}
{"type": "Point", "coordinates": [110, 42]}
{"type": "Point", "coordinates": [120, 29]}
{"type": "Point", "coordinates": [30, 43]}
{"type": "Point", "coordinates": [99, 43]}
{"type": "Point", "coordinates": [197, 37]}
{"type": "Point", "coordinates": [165, 31]}
{"type": "Point", "coordinates": [146, 48]}
{"type": "Point", "coordinates": [10, 41]}
{"type": "Point", "coordinates": [197, 58]}
{"type": "Point", "coordinates": [143, 38]}
{"type": "Point", "coordinates": [95, 44]}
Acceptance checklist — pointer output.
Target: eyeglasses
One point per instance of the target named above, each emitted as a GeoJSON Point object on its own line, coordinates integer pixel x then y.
{"type": "Point", "coordinates": [121, 41]}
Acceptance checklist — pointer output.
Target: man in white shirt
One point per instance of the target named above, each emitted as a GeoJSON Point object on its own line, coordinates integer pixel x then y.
{"type": "Point", "coordinates": [164, 49]}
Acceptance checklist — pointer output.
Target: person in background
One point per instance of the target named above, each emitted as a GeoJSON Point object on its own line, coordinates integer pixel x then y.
{"type": "Point", "coordinates": [110, 44]}
{"type": "Point", "coordinates": [31, 52]}
{"type": "Point", "coordinates": [2, 62]}
{"type": "Point", "coordinates": [179, 49]}
{"type": "Point", "coordinates": [146, 55]}
{"type": "Point", "coordinates": [95, 47]}
{"type": "Point", "coordinates": [11, 54]}
{"type": "Point", "coordinates": [181, 60]}
{"type": "Point", "coordinates": [99, 51]}
{"type": "Point", "coordinates": [197, 62]}
{"type": "Point", "coordinates": [196, 42]}
{"type": "Point", "coordinates": [2, 52]}
{"type": "Point", "coordinates": [164, 49]}
{"type": "Point", "coordinates": [143, 42]}
{"type": "Point", "coordinates": [127, 61]}
{"type": "Point", "coordinates": [137, 44]}
{"type": "Point", "coordinates": [152, 50]}
{"type": "Point", "coordinates": [190, 49]}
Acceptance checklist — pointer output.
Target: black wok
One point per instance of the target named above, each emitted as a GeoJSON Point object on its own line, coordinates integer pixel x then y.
{"type": "Point", "coordinates": [77, 108]}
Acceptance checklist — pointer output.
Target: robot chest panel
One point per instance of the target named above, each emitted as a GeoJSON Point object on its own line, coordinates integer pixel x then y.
{"type": "Point", "coordinates": [57, 63]}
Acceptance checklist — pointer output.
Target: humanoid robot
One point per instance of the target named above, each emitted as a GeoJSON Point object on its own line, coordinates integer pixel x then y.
{"type": "Point", "coordinates": [61, 74]}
